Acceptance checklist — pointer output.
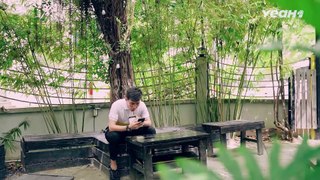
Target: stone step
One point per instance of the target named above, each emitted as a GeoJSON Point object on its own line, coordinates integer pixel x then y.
{"type": "Point", "coordinates": [44, 177]}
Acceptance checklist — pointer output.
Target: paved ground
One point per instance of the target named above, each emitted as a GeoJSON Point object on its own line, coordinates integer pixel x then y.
{"type": "Point", "coordinates": [287, 152]}
{"type": "Point", "coordinates": [288, 149]}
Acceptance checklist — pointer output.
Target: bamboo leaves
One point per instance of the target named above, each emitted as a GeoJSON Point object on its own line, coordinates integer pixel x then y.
{"type": "Point", "coordinates": [14, 133]}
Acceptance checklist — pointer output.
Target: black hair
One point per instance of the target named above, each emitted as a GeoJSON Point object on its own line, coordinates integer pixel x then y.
{"type": "Point", "coordinates": [134, 94]}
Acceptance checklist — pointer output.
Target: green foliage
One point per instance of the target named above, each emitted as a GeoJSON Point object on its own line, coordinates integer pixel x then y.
{"type": "Point", "coordinates": [301, 166]}
{"type": "Point", "coordinates": [167, 35]}
{"type": "Point", "coordinates": [40, 54]}
{"type": "Point", "coordinates": [311, 10]}
{"type": "Point", "coordinates": [164, 42]}
{"type": "Point", "coordinates": [35, 41]}
{"type": "Point", "coordinates": [10, 137]}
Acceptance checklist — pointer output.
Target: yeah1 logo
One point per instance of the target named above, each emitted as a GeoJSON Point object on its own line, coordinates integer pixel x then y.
{"type": "Point", "coordinates": [283, 13]}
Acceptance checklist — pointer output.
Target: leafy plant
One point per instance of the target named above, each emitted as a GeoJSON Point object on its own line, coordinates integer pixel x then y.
{"type": "Point", "coordinates": [301, 167]}
{"type": "Point", "coordinates": [9, 137]}
{"type": "Point", "coordinates": [35, 45]}
{"type": "Point", "coordinates": [164, 43]}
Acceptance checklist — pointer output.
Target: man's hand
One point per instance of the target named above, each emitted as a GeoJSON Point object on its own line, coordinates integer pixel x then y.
{"type": "Point", "coordinates": [135, 124]}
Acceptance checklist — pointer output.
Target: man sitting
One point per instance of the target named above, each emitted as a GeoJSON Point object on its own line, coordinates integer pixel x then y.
{"type": "Point", "coordinates": [127, 117]}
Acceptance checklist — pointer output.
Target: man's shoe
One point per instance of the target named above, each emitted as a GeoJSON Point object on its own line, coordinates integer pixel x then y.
{"type": "Point", "coordinates": [114, 174]}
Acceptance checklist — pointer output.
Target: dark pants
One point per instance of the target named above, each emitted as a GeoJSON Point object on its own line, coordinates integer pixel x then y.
{"type": "Point", "coordinates": [118, 137]}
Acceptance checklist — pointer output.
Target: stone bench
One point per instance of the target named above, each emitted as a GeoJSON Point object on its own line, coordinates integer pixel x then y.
{"type": "Point", "coordinates": [51, 151]}
{"type": "Point", "coordinates": [144, 158]}
{"type": "Point", "coordinates": [2, 162]}
{"type": "Point", "coordinates": [222, 128]}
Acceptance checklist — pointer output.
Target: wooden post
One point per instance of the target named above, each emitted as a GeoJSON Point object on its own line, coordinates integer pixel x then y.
{"type": "Point", "coordinates": [202, 151]}
{"type": "Point", "coordinates": [259, 141]}
{"type": "Point", "coordinates": [147, 164]}
{"type": "Point", "coordinates": [318, 86]}
{"type": "Point", "coordinates": [291, 101]}
{"type": "Point", "coordinates": [202, 87]}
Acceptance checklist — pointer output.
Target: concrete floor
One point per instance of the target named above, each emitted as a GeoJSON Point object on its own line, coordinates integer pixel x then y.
{"type": "Point", "coordinates": [287, 152]}
{"type": "Point", "coordinates": [288, 149]}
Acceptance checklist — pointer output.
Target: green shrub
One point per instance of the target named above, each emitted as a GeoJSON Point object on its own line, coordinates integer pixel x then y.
{"type": "Point", "coordinates": [9, 137]}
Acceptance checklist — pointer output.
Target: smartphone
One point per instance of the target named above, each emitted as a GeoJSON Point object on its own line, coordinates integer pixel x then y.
{"type": "Point", "coordinates": [141, 119]}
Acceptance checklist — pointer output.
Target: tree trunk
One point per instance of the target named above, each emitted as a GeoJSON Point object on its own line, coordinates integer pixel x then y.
{"type": "Point", "coordinates": [288, 132]}
{"type": "Point", "coordinates": [113, 21]}
{"type": "Point", "coordinates": [284, 123]}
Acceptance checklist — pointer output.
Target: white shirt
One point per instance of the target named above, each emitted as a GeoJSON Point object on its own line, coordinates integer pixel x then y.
{"type": "Point", "coordinates": [120, 112]}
